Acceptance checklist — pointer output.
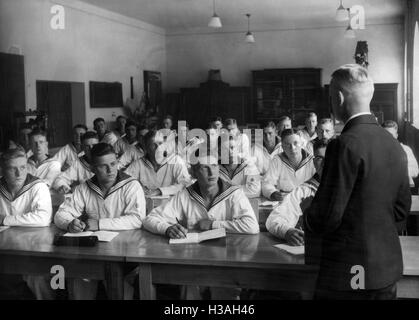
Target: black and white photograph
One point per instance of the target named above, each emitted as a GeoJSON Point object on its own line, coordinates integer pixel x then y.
{"type": "Point", "coordinates": [189, 151]}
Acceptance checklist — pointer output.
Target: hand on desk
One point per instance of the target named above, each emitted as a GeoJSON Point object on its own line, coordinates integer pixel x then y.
{"type": "Point", "coordinates": [152, 193]}
{"type": "Point", "coordinates": [64, 189]}
{"type": "Point", "coordinates": [204, 224]}
{"type": "Point", "coordinates": [176, 231]}
{"type": "Point", "coordinates": [92, 225]}
{"type": "Point", "coordinates": [295, 237]}
{"type": "Point", "coordinates": [76, 226]}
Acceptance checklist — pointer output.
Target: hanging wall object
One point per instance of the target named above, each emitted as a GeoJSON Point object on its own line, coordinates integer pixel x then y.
{"type": "Point", "coordinates": [361, 54]}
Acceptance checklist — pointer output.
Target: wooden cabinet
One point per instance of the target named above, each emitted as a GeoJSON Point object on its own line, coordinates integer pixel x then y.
{"type": "Point", "coordinates": [214, 98]}
{"type": "Point", "coordinates": [291, 92]}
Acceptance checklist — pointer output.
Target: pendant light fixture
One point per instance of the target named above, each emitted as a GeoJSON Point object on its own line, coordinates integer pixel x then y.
{"type": "Point", "coordinates": [249, 36]}
{"type": "Point", "coordinates": [215, 21]}
{"type": "Point", "coordinates": [349, 32]}
{"type": "Point", "coordinates": [341, 13]}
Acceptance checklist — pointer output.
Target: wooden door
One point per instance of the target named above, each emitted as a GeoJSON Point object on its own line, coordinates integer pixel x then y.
{"type": "Point", "coordinates": [54, 97]}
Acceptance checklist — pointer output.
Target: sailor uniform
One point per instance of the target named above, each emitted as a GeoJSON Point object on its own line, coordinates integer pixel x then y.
{"type": "Point", "coordinates": [30, 207]}
{"type": "Point", "coordinates": [128, 152]}
{"type": "Point", "coordinates": [67, 154]}
{"type": "Point", "coordinates": [412, 164]}
{"type": "Point", "coordinates": [287, 214]}
{"type": "Point", "coordinates": [308, 140]}
{"type": "Point", "coordinates": [283, 176]}
{"type": "Point", "coordinates": [122, 208]}
{"type": "Point", "coordinates": [78, 172]}
{"type": "Point", "coordinates": [245, 175]}
{"type": "Point", "coordinates": [230, 210]}
{"type": "Point", "coordinates": [48, 170]}
{"type": "Point", "coordinates": [171, 177]}
{"type": "Point", "coordinates": [263, 157]}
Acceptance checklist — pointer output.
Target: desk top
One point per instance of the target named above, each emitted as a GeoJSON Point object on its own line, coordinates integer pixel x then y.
{"type": "Point", "coordinates": [38, 242]}
{"type": "Point", "coordinates": [143, 246]}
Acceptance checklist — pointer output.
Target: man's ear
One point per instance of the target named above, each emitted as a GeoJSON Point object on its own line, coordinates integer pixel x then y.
{"type": "Point", "coordinates": [341, 97]}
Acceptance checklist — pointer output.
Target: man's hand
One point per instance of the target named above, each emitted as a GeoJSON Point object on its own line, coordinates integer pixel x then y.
{"type": "Point", "coordinates": [92, 225]}
{"type": "Point", "coordinates": [176, 232]}
{"type": "Point", "coordinates": [295, 237]}
{"type": "Point", "coordinates": [204, 224]}
{"type": "Point", "coordinates": [64, 189]}
{"type": "Point", "coordinates": [76, 226]}
{"type": "Point", "coordinates": [277, 196]}
{"type": "Point", "coordinates": [153, 193]}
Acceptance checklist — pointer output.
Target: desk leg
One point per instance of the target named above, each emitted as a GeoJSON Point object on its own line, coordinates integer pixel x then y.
{"type": "Point", "coordinates": [114, 275]}
{"type": "Point", "coordinates": [147, 289]}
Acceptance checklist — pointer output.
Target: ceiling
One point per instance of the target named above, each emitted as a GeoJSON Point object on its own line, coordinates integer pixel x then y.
{"type": "Point", "coordinates": [185, 14]}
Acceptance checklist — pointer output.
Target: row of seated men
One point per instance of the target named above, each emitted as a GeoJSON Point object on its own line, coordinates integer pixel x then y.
{"type": "Point", "coordinates": [204, 197]}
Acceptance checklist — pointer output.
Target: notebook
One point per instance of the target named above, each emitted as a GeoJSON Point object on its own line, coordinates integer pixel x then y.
{"type": "Point", "coordinates": [104, 236]}
{"type": "Point", "coordinates": [196, 237]}
{"type": "Point", "coordinates": [296, 250]}
{"type": "Point", "coordinates": [268, 203]}
{"type": "Point", "coordinates": [2, 228]}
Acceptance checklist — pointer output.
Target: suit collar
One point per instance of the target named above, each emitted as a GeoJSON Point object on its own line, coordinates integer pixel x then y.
{"type": "Point", "coordinates": [359, 119]}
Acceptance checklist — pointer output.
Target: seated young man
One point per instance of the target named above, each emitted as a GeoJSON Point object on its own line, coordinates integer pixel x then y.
{"type": "Point", "coordinates": [209, 203]}
{"type": "Point", "coordinates": [325, 131]}
{"type": "Point", "coordinates": [271, 147]}
{"type": "Point", "coordinates": [309, 132]}
{"type": "Point", "coordinates": [289, 169]}
{"type": "Point", "coordinates": [412, 163]}
{"type": "Point", "coordinates": [25, 201]}
{"type": "Point", "coordinates": [242, 139]}
{"type": "Point", "coordinates": [283, 221]}
{"type": "Point", "coordinates": [283, 123]}
{"type": "Point", "coordinates": [158, 173]}
{"type": "Point", "coordinates": [71, 151]}
{"type": "Point", "coordinates": [79, 170]}
{"type": "Point", "coordinates": [120, 130]}
{"type": "Point", "coordinates": [40, 164]}
{"type": "Point", "coordinates": [238, 171]}
{"type": "Point", "coordinates": [110, 200]}
{"type": "Point", "coordinates": [128, 148]}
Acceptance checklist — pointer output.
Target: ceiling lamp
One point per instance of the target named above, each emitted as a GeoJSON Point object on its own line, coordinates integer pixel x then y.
{"type": "Point", "coordinates": [215, 21]}
{"type": "Point", "coordinates": [249, 36]}
{"type": "Point", "coordinates": [349, 32]}
{"type": "Point", "coordinates": [341, 13]}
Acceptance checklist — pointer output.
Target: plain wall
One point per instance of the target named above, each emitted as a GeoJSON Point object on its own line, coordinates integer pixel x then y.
{"type": "Point", "coordinates": [96, 45]}
{"type": "Point", "coordinates": [190, 56]}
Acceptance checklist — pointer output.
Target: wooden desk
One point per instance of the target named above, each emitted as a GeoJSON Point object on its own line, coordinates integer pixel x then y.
{"type": "Point", "coordinates": [246, 261]}
{"type": "Point", "coordinates": [29, 251]}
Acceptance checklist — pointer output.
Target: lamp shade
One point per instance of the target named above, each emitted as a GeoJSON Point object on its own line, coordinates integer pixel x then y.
{"type": "Point", "coordinates": [215, 22]}
{"type": "Point", "coordinates": [349, 33]}
{"type": "Point", "coordinates": [249, 38]}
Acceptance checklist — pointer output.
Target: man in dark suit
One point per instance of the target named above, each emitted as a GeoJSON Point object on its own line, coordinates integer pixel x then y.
{"type": "Point", "coordinates": [363, 192]}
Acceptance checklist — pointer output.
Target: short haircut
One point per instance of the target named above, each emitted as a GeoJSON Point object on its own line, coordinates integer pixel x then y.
{"type": "Point", "coordinates": [131, 123]}
{"type": "Point", "coordinates": [311, 115]}
{"type": "Point", "coordinates": [212, 125]}
{"type": "Point", "coordinates": [89, 135]}
{"type": "Point", "coordinates": [390, 124]}
{"type": "Point", "coordinates": [320, 143]}
{"type": "Point", "coordinates": [326, 120]}
{"type": "Point", "coordinates": [11, 154]}
{"type": "Point", "coordinates": [80, 126]}
{"type": "Point", "coordinates": [120, 117]}
{"type": "Point", "coordinates": [37, 132]}
{"type": "Point", "coordinates": [287, 132]}
{"type": "Point", "coordinates": [284, 118]}
{"type": "Point", "coordinates": [214, 119]}
{"type": "Point", "coordinates": [351, 75]}
{"type": "Point", "coordinates": [98, 120]}
{"type": "Point", "coordinates": [230, 121]}
{"type": "Point", "coordinates": [168, 116]}
{"type": "Point", "coordinates": [101, 149]}
{"type": "Point", "coordinates": [269, 124]}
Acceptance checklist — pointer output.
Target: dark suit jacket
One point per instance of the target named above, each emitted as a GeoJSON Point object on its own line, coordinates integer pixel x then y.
{"type": "Point", "coordinates": [363, 192]}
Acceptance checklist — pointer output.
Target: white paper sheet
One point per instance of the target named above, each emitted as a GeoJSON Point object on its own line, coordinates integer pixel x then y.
{"type": "Point", "coordinates": [296, 250]}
